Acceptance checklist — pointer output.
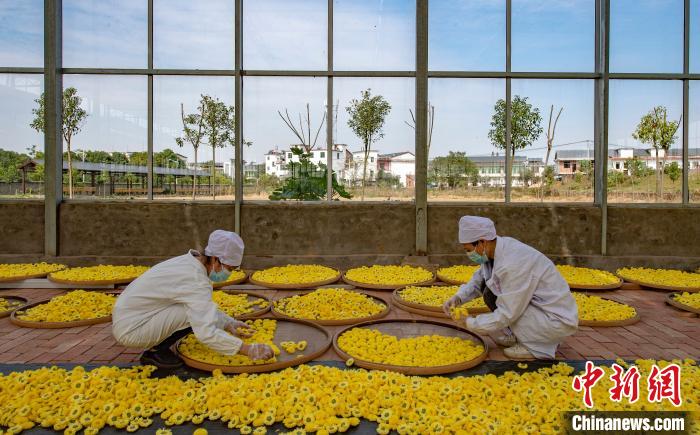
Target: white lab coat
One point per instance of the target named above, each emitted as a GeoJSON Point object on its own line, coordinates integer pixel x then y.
{"type": "Point", "coordinates": [171, 296]}
{"type": "Point", "coordinates": [534, 300]}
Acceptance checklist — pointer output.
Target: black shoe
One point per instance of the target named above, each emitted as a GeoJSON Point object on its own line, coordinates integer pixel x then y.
{"type": "Point", "coordinates": [161, 358]}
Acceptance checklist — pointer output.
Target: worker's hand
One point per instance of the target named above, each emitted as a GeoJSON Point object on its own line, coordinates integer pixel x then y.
{"type": "Point", "coordinates": [452, 302]}
{"type": "Point", "coordinates": [240, 329]}
{"type": "Point", "coordinates": [257, 351]}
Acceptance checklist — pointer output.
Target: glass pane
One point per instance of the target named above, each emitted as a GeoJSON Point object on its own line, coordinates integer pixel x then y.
{"type": "Point", "coordinates": [646, 36]}
{"type": "Point", "coordinates": [283, 115]}
{"type": "Point", "coordinates": [565, 173]}
{"type": "Point", "coordinates": [108, 153]}
{"type": "Point", "coordinates": [105, 33]}
{"type": "Point", "coordinates": [196, 35]}
{"type": "Point", "coordinates": [468, 35]}
{"type": "Point", "coordinates": [694, 141]}
{"type": "Point", "coordinates": [638, 110]}
{"type": "Point", "coordinates": [288, 35]}
{"type": "Point", "coordinates": [389, 150]}
{"type": "Point", "coordinates": [374, 35]}
{"type": "Point", "coordinates": [21, 146]}
{"type": "Point", "coordinates": [694, 37]}
{"type": "Point", "coordinates": [553, 35]}
{"type": "Point", "coordinates": [463, 164]}
{"type": "Point", "coordinates": [22, 33]}
{"type": "Point", "coordinates": [174, 159]}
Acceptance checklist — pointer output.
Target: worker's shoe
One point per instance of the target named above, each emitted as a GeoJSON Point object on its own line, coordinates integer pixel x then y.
{"type": "Point", "coordinates": [505, 340]}
{"type": "Point", "coordinates": [161, 358]}
{"type": "Point", "coordinates": [518, 352]}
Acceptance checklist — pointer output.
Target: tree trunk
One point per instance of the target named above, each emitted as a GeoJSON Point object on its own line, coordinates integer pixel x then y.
{"type": "Point", "coordinates": [194, 177]}
{"type": "Point", "coordinates": [70, 172]}
{"type": "Point", "coordinates": [213, 171]}
{"type": "Point", "coordinates": [658, 176]}
{"type": "Point", "coordinates": [663, 167]}
{"type": "Point", "coordinates": [364, 171]}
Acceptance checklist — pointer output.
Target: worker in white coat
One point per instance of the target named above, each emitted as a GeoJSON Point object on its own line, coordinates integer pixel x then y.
{"type": "Point", "coordinates": [174, 298]}
{"type": "Point", "coordinates": [532, 309]}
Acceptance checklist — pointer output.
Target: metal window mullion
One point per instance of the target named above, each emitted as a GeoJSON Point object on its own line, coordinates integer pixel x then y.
{"type": "Point", "coordinates": [597, 108]}
{"type": "Point", "coordinates": [605, 106]}
{"type": "Point", "coordinates": [509, 108]}
{"type": "Point", "coordinates": [238, 110]}
{"type": "Point", "coordinates": [329, 104]}
{"type": "Point", "coordinates": [149, 162]}
{"type": "Point", "coordinates": [686, 91]}
{"type": "Point", "coordinates": [421, 130]}
{"type": "Point", "coordinates": [53, 124]}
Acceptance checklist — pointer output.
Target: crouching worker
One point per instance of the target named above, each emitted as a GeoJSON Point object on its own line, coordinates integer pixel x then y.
{"type": "Point", "coordinates": [174, 298]}
{"type": "Point", "coordinates": [532, 309]}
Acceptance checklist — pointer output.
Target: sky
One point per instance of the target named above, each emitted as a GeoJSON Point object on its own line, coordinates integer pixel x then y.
{"type": "Point", "coordinates": [646, 36]}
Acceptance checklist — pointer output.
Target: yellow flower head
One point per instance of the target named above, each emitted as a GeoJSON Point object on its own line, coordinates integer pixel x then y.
{"type": "Point", "coordinates": [389, 275]}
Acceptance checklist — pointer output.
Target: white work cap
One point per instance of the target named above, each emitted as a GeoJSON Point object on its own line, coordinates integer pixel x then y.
{"type": "Point", "coordinates": [226, 246]}
{"type": "Point", "coordinates": [474, 228]}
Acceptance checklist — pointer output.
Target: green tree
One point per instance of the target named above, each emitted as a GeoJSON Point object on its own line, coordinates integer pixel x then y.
{"type": "Point", "coordinates": [452, 170]}
{"type": "Point", "coordinates": [74, 118]}
{"type": "Point", "coordinates": [525, 125]}
{"type": "Point", "coordinates": [139, 158]}
{"type": "Point", "coordinates": [367, 118]}
{"type": "Point", "coordinates": [673, 171]}
{"type": "Point", "coordinates": [636, 168]}
{"type": "Point", "coordinates": [267, 183]}
{"type": "Point", "coordinates": [655, 129]}
{"type": "Point", "coordinates": [193, 132]}
{"type": "Point", "coordinates": [385, 179]}
{"type": "Point", "coordinates": [218, 128]}
{"type": "Point", "coordinates": [306, 181]}
{"type": "Point", "coordinates": [9, 165]}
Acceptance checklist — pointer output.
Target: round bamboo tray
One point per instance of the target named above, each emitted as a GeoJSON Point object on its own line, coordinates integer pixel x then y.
{"type": "Point", "coordinates": [424, 309]}
{"type": "Point", "coordinates": [671, 301]}
{"type": "Point", "coordinates": [404, 328]}
{"type": "Point", "coordinates": [435, 314]}
{"type": "Point", "coordinates": [339, 322]}
{"type": "Point", "coordinates": [57, 325]}
{"type": "Point", "coordinates": [31, 276]}
{"type": "Point", "coordinates": [385, 286]}
{"type": "Point", "coordinates": [255, 313]}
{"type": "Point", "coordinates": [602, 323]}
{"type": "Point", "coordinates": [615, 286]}
{"type": "Point", "coordinates": [126, 280]}
{"type": "Point", "coordinates": [442, 278]}
{"type": "Point", "coordinates": [663, 287]}
{"type": "Point", "coordinates": [218, 285]}
{"type": "Point", "coordinates": [295, 286]}
{"type": "Point", "coordinates": [19, 299]}
{"type": "Point", "coordinates": [318, 339]}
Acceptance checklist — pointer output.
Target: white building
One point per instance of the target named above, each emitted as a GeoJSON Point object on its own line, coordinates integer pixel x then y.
{"type": "Point", "coordinates": [402, 165]}
{"type": "Point", "coordinates": [275, 163]}
{"type": "Point", "coordinates": [355, 167]}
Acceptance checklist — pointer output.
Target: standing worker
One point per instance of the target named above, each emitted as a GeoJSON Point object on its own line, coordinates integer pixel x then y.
{"type": "Point", "coordinates": [531, 303]}
{"type": "Point", "coordinates": [174, 298]}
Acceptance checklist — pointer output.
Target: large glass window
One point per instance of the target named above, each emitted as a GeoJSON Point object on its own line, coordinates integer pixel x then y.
{"type": "Point", "coordinates": [21, 144]}
{"type": "Point", "coordinates": [379, 151]}
{"type": "Point", "coordinates": [190, 162]}
{"type": "Point", "coordinates": [285, 34]}
{"type": "Point", "coordinates": [553, 35]}
{"type": "Point", "coordinates": [644, 141]}
{"type": "Point", "coordinates": [646, 36]}
{"type": "Point", "coordinates": [197, 35]}
{"type": "Point", "coordinates": [105, 33]}
{"type": "Point", "coordinates": [285, 132]}
{"type": "Point", "coordinates": [464, 164]}
{"type": "Point", "coordinates": [553, 140]}
{"type": "Point", "coordinates": [694, 142]}
{"type": "Point", "coordinates": [374, 35]}
{"type": "Point", "coordinates": [467, 35]}
{"type": "Point", "coordinates": [108, 152]}
{"type": "Point", "coordinates": [22, 33]}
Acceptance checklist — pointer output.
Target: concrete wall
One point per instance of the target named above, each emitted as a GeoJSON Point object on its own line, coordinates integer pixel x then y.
{"type": "Point", "coordinates": [21, 227]}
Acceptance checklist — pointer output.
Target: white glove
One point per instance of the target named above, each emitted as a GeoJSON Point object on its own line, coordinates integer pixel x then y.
{"type": "Point", "coordinates": [452, 302]}
{"type": "Point", "coordinates": [257, 351]}
{"type": "Point", "coordinates": [234, 325]}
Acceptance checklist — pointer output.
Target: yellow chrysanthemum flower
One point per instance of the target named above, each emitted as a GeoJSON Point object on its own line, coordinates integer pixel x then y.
{"type": "Point", "coordinates": [10, 271]}
{"type": "Point", "coordinates": [583, 276]}
{"type": "Point", "coordinates": [235, 275]}
{"type": "Point", "coordinates": [329, 304]}
{"type": "Point", "coordinates": [389, 275]}
{"type": "Point", "coordinates": [8, 304]}
{"type": "Point", "coordinates": [295, 274]}
{"type": "Point", "coordinates": [665, 277]}
{"type": "Point", "coordinates": [70, 307]}
{"type": "Point", "coordinates": [685, 298]}
{"type": "Point", "coordinates": [594, 308]}
{"type": "Point", "coordinates": [456, 274]}
{"type": "Point", "coordinates": [100, 273]}
{"type": "Point", "coordinates": [436, 296]}
{"type": "Point", "coordinates": [238, 304]}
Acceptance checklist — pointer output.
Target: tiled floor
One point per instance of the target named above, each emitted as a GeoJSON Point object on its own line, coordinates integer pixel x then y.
{"type": "Point", "coordinates": [662, 333]}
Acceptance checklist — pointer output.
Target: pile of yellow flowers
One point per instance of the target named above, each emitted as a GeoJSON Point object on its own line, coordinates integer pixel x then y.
{"type": "Point", "coordinates": [389, 275]}
{"type": "Point", "coordinates": [295, 274]}
{"type": "Point", "coordinates": [315, 399]}
{"type": "Point", "coordinates": [666, 277]}
{"type": "Point", "coordinates": [458, 313]}
{"type": "Point", "coordinates": [264, 333]}
{"type": "Point", "coordinates": [293, 346]}
{"type": "Point", "coordinates": [70, 307]}
{"type": "Point", "coordinates": [237, 304]}
{"type": "Point", "coordinates": [100, 273]}
{"type": "Point", "coordinates": [595, 308]}
{"type": "Point", "coordinates": [329, 304]}
{"type": "Point", "coordinates": [422, 351]}
{"type": "Point", "coordinates": [582, 276]}
{"type": "Point", "coordinates": [8, 304]}
{"type": "Point", "coordinates": [690, 299]}
{"type": "Point", "coordinates": [459, 273]}
{"type": "Point", "coordinates": [10, 271]}
{"type": "Point", "coordinates": [235, 276]}
{"type": "Point", "coordinates": [436, 295]}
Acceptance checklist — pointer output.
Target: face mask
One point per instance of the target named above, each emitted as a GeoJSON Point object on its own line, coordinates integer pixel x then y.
{"type": "Point", "coordinates": [478, 258]}
{"type": "Point", "coordinates": [220, 276]}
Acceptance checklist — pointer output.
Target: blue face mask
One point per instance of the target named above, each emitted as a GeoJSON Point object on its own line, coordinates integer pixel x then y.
{"type": "Point", "coordinates": [219, 276]}
{"type": "Point", "coordinates": [478, 258]}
